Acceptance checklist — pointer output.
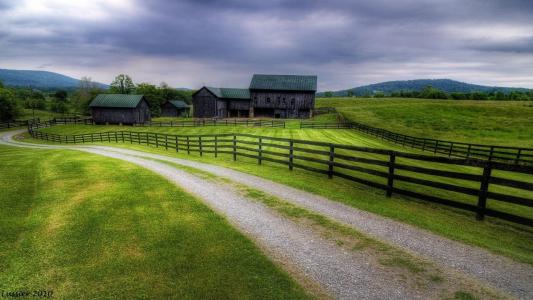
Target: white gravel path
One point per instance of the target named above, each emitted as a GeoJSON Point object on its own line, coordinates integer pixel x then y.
{"type": "Point", "coordinates": [500, 272]}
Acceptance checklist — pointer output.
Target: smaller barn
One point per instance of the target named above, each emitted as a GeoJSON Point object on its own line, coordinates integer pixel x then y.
{"type": "Point", "coordinates": [175, 108]}
{"type": "Point", "coordinates": [119, 109]}
{"type": "Point", "coordinates": [212, 102]}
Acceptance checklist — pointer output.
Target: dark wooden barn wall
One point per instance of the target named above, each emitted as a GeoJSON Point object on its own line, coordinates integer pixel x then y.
{"type": "Point", "coordinates": [113, 115]}
{"type": "Point", "coordinates": [169, 110]}
{"type": "Point", "coordinates": [205, 104]}
{"type": "Point", "coordinates": [282, 103]}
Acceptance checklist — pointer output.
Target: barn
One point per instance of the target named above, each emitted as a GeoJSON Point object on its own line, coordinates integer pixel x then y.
{"type": "Point", "coordinates": [272, 96]}
{"type": "Point", "coordinates": [282, 96]}
{"type": "Point", "coordinates": [119, 109]}
{"type": "Point", "coordinates": [211, 102]}
{"type": "Point", "coordinates": [175, 108]}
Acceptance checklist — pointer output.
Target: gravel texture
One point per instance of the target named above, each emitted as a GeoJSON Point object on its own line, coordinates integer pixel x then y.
{"type": "Point", "coordinates": [346, 276]}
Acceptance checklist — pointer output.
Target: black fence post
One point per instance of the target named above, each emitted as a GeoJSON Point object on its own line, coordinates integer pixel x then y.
{"type": "Point", "coordinates": [200, 145]}
{"type": "Point", "coordinates": [291, 154]}
{"type": "Point", "coordinates": [156, 140]}
{"type": "Point", "coordinates": [234, 147]}
{"type": "Point", "coordinates": [390, 179]}
{"type": "Point", "coordinates": [451, 149]}
{"type": "Point", "coordinates": [468, 151]}
{"type": "Point", "coordinates": [436, 146]}
{"type": "Point", "coordinates": [491, 153]}
{"type": "Point", "coordinates": [166, 141]}
{"type": "Point", "coordinates": [216, 146]}
{"type": "Point", "coordinates": [188, 146]}
{"type": "Point", "coordinates": [177, 143]}
{"type": "Point", "coordinates": [517, 159]}
{"type": "Point", "coordinates": [260, 151]}
{"type": "Point", "coordinates": [331, 159]}
{"type": "Point", "coordinates": [483, 190]}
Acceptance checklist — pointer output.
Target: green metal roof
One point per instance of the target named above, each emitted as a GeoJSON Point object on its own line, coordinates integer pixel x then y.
{"type": "Point", "coordinates": [116, 100]}
{"type": "Point", "coordinates": [284, 82]}
{"type": "Point", "coordinates": [178, 103]}
{"type": "Point", "coordinates": [230, 93]}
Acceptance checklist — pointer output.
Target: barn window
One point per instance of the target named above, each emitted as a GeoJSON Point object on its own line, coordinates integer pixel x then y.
{"type": "Point", "coordinates": [284, 100]}
{"type": "Point", "coordinates": [268, 99]}
{"type": "Point", "coordinates": [292, 101]}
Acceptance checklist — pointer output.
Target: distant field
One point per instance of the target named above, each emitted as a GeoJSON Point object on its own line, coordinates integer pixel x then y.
{"type": "Point", "coordinates": [91, 227]}
{"type": "Point", "coordinates": [508, 123]}
{"type": "Point", "coordinates": [42, 114]}
{"type": "Point", "coordinates": [340, 136]}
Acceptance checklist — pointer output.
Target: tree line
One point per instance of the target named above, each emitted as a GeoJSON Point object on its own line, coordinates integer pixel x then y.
{"type": "Point", "coordinates": [430, 92]}
{"type": "Point", "coordinates": [17, 102]}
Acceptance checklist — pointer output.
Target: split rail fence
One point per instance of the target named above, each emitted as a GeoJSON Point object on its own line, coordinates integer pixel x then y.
{"type": "Point", "coordinates": [486, 188]}
{"type": "Point", "coordinates": [515, 155]}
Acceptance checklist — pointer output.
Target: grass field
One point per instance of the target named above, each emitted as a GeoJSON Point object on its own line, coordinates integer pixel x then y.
{"type": "Point", "coordinates": [42, 114]}
{"type": "Point", "coordinates": [506, 123]}
{"type": "Point", "coordinates": [90, 227]}
{"type": "Point", "coordinates": [513, 241]}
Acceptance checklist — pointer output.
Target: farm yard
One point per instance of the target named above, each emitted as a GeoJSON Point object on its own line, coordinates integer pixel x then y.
{"type": "Point", "coordinates": [369, 150]}
{"type": "Point", "coordinates": [158, 142]}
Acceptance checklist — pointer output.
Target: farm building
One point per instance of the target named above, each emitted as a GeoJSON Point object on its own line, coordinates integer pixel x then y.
{"type": "Point", "coordinates": [175, 108]}
{"type": "Point", "coordinates": [273, 96]}
{"type": "Point", "coordinates": [210, 102]}
{"type": "Point", "coordinates": [118, 108]}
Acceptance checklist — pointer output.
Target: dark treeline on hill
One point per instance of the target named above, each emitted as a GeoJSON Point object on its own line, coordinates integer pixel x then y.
{"type": "Point", "coordinates": [16, 101]}
{"type": "Point", "coordinates": [434, 89]}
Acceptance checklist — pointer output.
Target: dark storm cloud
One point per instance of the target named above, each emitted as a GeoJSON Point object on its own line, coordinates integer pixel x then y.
{"type": "Point", "coordinates": [340, 40]}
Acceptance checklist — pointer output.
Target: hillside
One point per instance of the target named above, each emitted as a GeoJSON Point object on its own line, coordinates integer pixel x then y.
{"type": "Point", "coordinates": [38, 79]}
{"type": "Point", "coordinates": [446, 85]}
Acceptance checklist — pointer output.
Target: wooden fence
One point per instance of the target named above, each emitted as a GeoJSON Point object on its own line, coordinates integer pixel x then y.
{"type": "Point", "coordinates": [466, 184]}
{"type": "Point", "coordinates": [217, 122]}
{"type": "Point", "coordinates": [17, 123]}
{"type": "Point", "coordinates": [514, 155]}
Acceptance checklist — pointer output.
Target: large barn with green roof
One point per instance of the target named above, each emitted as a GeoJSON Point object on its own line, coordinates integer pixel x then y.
{"type": "Point", "coordinates": [119, 109]}
{"type": "Point", "coordinates": [272, 96]}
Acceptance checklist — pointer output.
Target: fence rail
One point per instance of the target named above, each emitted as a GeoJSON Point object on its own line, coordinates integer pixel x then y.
{"type": "Point", "coordinates": [514, 155]}
{"type": "Point", "coordinates": [216, 122]}
{"type": "Point", "coordinates": [429, 178]}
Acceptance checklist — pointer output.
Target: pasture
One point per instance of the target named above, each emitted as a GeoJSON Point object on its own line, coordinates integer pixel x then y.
{"type": "Point", "coordinates": [446, 221]}
{"type": "Point", "coordinates": [85, 226]}
{"type": "Point", "coordinates": [503, 123]}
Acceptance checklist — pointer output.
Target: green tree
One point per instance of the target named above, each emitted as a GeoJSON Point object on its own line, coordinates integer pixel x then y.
{"type": "Point", "coordinates": [122, 85]}
{"type": "Point", "coordinates": [8, 105]}
{"type": "Point", "coordinates": [328, 94]}
{"type": "Point", "coordinates": [379, 94]}
{"type": "Point", "coordinates": [350, 93]}
{"type": "Point", "coordinates": [83, 95]}
{"type": "Point", "coordinates": [153, 95]}
{"type": "Point", "coordinates": [61, 95]}
{"type": "Point", "coordinates": [59, 106]}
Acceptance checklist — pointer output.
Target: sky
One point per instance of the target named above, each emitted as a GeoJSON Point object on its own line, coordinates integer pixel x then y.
{"type": "Point", "coordinates": [191, 43]}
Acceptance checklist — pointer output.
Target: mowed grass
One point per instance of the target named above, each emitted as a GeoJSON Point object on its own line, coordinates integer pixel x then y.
{"type": "Point", "coordinates": [506, 123]}
{"type": "Point", "coordinates": [85, 226]}
{"type": "Point", "coordinates": [498, 236]}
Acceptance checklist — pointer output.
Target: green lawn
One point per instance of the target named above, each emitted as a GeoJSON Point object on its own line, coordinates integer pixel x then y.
{"type": "Point", "coordinates": [90, 227]}
{"type": "Point", "coordinates": [507, 123]}
{"type": "Point", "coordinates": [499, 236]}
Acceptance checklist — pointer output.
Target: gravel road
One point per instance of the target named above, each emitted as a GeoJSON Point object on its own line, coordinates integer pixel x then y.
{"type": "Point", "coordinates": [344, 275]}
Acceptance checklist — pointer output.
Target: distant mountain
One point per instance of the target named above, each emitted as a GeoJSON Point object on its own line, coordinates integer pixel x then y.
{"type": "Point", "coordinates": [446, 85]}
{"type": "Point", "coordinates": [38, 79]}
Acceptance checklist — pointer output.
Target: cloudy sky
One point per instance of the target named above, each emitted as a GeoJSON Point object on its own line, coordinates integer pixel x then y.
{"type": "Point", "coordinates": [347, 43]}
